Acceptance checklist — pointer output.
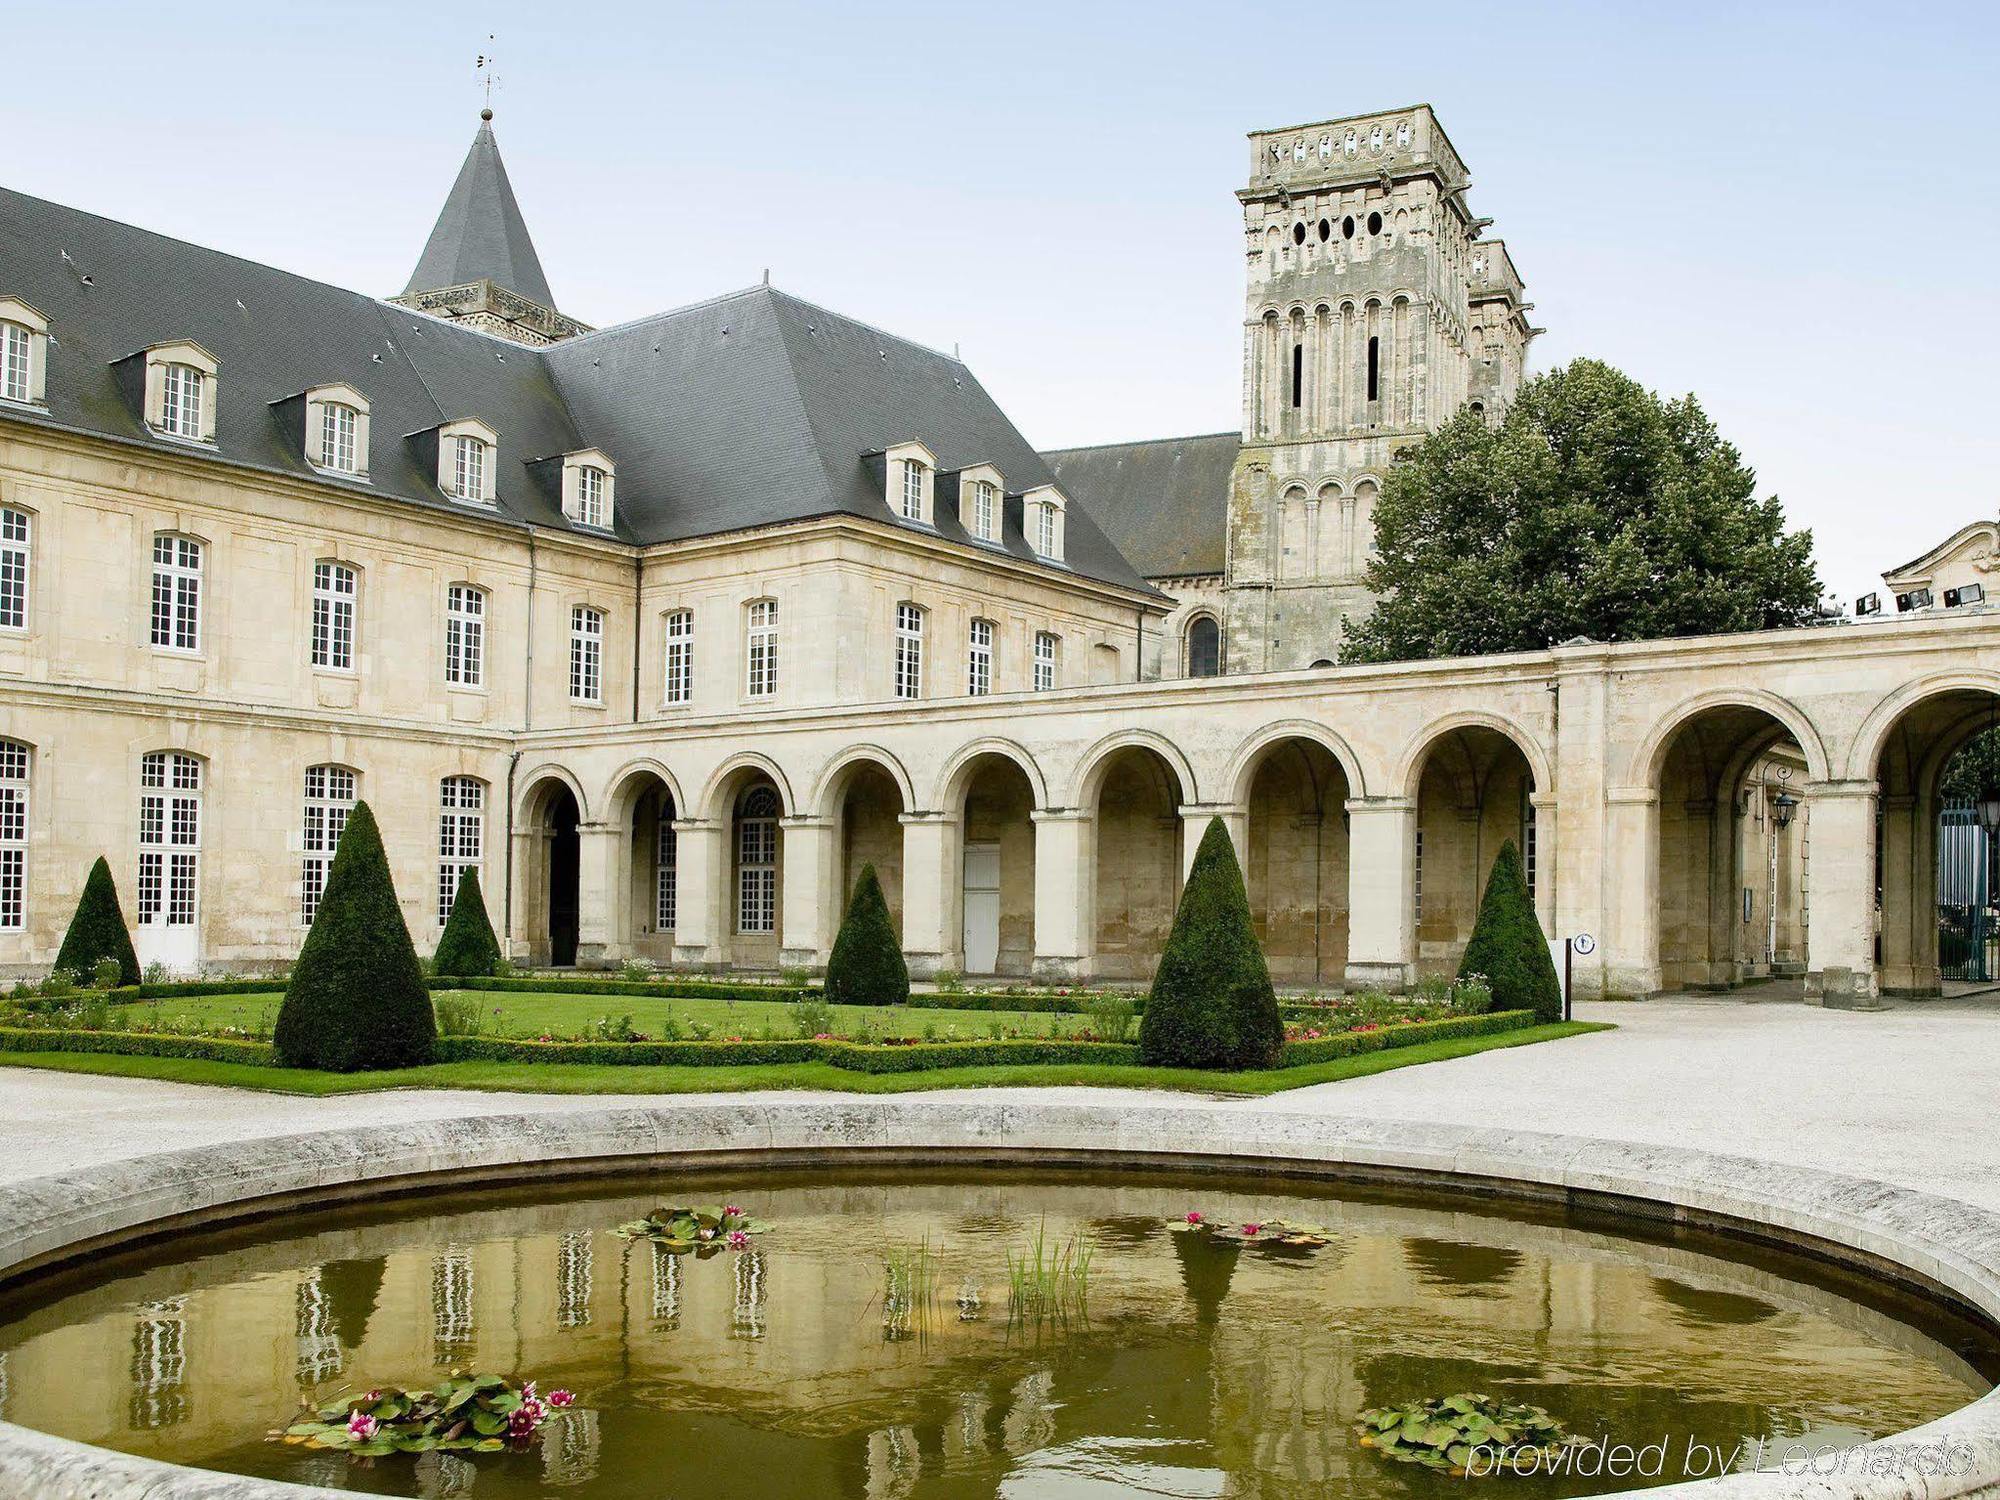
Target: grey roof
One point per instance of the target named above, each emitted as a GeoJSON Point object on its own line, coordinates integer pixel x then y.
{"type": "Point", "coordinates": [480, 233]}
{"type": "Point", "coordinates": [1164, 502]}
{"type": "Point", "coordinates": [748, 410]}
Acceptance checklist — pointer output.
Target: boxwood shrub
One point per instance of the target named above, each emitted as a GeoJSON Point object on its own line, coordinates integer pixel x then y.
{"type": "Point", "coordinates": [855, 1057]}
{"type": "Point", "coordinates": [137, 1044]}
{"type": "Point", "coordinates": [1385, 1038]}
{"type": "Point", "coordinates": [662, 989]}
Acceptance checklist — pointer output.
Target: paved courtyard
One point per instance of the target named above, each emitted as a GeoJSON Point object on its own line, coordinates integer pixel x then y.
{"type": "Point", "coordinates": [1905, 1095]}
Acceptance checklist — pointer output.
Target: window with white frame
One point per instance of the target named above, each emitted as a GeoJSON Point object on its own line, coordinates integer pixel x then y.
{"type": "Point", "coordinates": [757, 862]}
{"type": "Point", "coordinates": [14, 761]}
{"type": "Point", "coordinates": [334, 587]}
{"type": "Point", "coordinates": [329, 799]}
{"type": "Point", "coordinates": [590, 496]}
{"type": "Point", "coordinates": [17, 532]}
{"type": "Point", "coordinates": [464, 635]}
{"type": "Point", "coordinates": [181, 391]}
{"type": "Point", "coordinates": [1045, 530]}
{"type": "Point", "coordinates": [985, 510]}
{"type": "Point", "coordinates": [761, 641]}
{"type": "Point", "coordinates": [979, 658]}
{"type": "Point", "coordinates": [913, 489]}
{"type": "Point", "coordinates": [468, 467]}
{"type": "Point", "coordinates": [1047, 648]}
{"type": "Point", "coordinates": [17, 366]}
{"type": "Point", "coordinates": [586, 654]}
{"type": "Point", "coordinates": [176, 593]}
{"type": "Point", "coordinates": [909, 651]}
{"type": "Point", "coordinates": [461, 836]}
{"type": "Point", "coordinates": [169, 839]}
{"type": "Point", "coordinates": [680, 657]}
{"type": "Point", "coordinates": [338, 424]}
{"type": "Point", "coordinates": [666, 894]}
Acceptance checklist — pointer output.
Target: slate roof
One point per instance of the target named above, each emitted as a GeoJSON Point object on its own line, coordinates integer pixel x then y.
{"type": "Point", "coordinates": [1164, 502]}
{"type": "Point", "coordinates": [747, 410]}
{"type": "Point", "coordinates": [480, 232]}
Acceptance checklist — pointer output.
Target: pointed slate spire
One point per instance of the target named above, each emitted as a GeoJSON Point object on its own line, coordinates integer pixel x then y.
{"type": "Point", "coordinates": [480, 234]}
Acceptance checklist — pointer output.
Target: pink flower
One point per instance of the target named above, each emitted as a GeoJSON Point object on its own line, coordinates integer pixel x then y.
{"type": "Point", "coordinates": [732, 1212]}
{"type": "Point", "coordinates": [560, 1398]}
{"type": "Point", "coordinates": [1253, 1228]}
{"type": "Point", "coordinates": [1193, 1217]}
{"type": "Point", "coordinates": [528, 1391]}
{"type": "Point", "coordinates": [361, 1427]}
{"type": "Point", "coordinates": [738, 1240]}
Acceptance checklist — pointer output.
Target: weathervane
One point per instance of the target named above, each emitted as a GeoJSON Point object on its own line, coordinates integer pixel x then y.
{"type": "Point", "coordinates": [485, 67]}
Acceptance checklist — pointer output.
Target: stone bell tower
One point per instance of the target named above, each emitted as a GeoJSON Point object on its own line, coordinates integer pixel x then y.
{"type": "Point", "coordinates": [1374, 309]}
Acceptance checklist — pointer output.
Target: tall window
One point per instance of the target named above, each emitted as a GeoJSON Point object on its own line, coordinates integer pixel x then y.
{"type": "Point", "coordinates": [469, 468]}
{"type": "Point", "coordinates": [13, 835]}
{"type": "Point", "coordinates": [680, 656]}
{"type": "Point", "coordinates": [177, 593]}
{"type": "Point", "coordinates": [1374, 368]}
{"type": "Point", "coordinates": [1045, 530]}
{"type": "Point", "coordinates": [1528, 850]}
{"type": "Point", "coordinates": [757, 862]}
{"type": "Point", "coordinates": [913, 490]}
{"type": "Point", "coordinates": [909, 651]}
{"type": "Point", "coordinates": [180, 401]}
{"type": "Point", "coordinates": [1298, 375]}
{"type": "Point", "coordinates": [586, 655]}
{"type": "Point", "coordinates": [667, 867]}
{"type": "Point", "coordinates": [590, 495]}
{"type": "Point", "coordinates": [981, 659]}
{"type": "Point", "coordinates": [762, 645]}
{"type": "Point", "coordinates": [461, 835]}
{"type": "Point", "coordinates": [169, 838]}
{"type": "Point", "coordinates": [329, 799]}
{"type": "Point", "coordinates": [464, 635]}
{"type": "Point", "coordinates": [333, 616]}
{"type": "Point", "coordinates": [16, 534]}
{"type": "Point", "coordinates": [1417, 880]}
{"type": "Point", "coordinates": [985, 510]}
{"type": "Point", "coordinates": [337, 422]}
{"type": "Point", "coordinates": [16, 345]}
{"type": "Point", "coordinates": [1204, 647]}
{"type": "Point", "coordinates": [1047, 645]}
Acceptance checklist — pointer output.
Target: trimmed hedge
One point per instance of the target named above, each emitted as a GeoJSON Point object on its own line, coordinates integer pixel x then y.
{"type": "Point", "coordinates": [855, 1057]}
{"type": "Point", "coordinates": [138, 1044]}
{"type": "Point", "coordinates": [1075, 1003]}
{"type": "Point", "coordinates": [1212, 1004]}
{"type": "Point", "coordinates": [661, 989]}
{"type": "Point", "coordinates": [866, 966]}
{"type": "Point", "coordinates": [1388, 1038]}
{"type": "Point", "coordinates": [467, 945]}
{"type": "Point", "coordinates": [1507, 948]}
{"type": "Point", "coordinates": [97, 930]}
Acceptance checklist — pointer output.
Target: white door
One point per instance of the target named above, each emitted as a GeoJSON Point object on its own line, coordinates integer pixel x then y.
{"type": "Point", "coordinates": [982, 908]}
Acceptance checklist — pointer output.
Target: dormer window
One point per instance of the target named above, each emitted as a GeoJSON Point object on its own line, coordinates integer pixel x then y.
{"type": "Point", "coordinates": [587, 483]}
{"type": "Point", "coordinates": [980, 491]}
{"type": "Point", "coordinates": [181, 392]}
{"type": "Point", "coordinates": [336, 430]}
{"type": "Point", "coordinates": [468, 455]}
{"type": "Point", "coordinates": [1042, 511]}
{"type": "Point", "coordinates": [24, 341]}
{"type": "Point", "coordinates": [985, 508]}
{"type": "Point", "coordinates": [468, 468]}
{"type": "Point", "coordinates": [912, 473]}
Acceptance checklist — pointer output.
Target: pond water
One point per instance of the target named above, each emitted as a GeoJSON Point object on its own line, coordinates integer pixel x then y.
{"type": "Point", "coordinates": [1195, 1369]}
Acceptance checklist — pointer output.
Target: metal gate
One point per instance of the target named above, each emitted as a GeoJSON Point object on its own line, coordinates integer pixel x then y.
{"type": "Point", "coordinates": [1967, 935]}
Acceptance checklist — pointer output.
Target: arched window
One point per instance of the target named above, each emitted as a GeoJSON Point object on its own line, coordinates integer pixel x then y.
{"type": "Point", "coordinates": [14, 762]}
{"type": "Point", "coordinates": [464, 635]}
{"type": "Point", "coordinates": [586, 654]}
{"type": "Point", "coordinates": [17, 530]}
{"type": "Point", "coordinates": [329, 799]}
{"type": "Point", "coordinates": [909, 651]}
{"type": "Point", "coordinates": [979, 658]}
{"type": "Point", "coordinates": [176, 592]}
{"type": "Point", "coordinates": [461, 835]}
{"type": "Point", "coordinates": [761, 648]}
{"type": "Point", "coordinates": [169, 839]}
{"type": "Point", "coordinates": [468, 467]}
{"type": "Point", "coordinates": [1204, 647]}
{"type": "Point", "coordinates": [680, 657]}
{"type": "Point", "coordinates": [1048, 650]}
{"type": "Point", "coordinates": [334, 586]}
{"type": "Point", "coordinates": [757, 862]}
{"type": "Point", "coordinates": [338, 425]}
{"type": "Point", "coordinates": [181, 392]}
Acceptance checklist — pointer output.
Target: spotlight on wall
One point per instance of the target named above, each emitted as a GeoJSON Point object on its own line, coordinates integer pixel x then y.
{"type": "Point", "coordinates": [1914, 599]}
{"type": "Point", "coordinates": [1965, 593]}
{"type": "Point", "coordinates": [1868, 604]}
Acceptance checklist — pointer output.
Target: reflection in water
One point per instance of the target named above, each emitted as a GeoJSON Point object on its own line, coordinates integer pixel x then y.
{"type": "Point", "coordinates": [1205, 1368]}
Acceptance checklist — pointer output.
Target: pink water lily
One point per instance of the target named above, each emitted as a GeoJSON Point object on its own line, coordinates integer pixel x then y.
{"type": "Point", "coordinates": [1193, 1217]}
{"type": "Point", "coordinates": [738, 1240]}
{"type": "Point", "coordinates": [732, 1212]}
{"type": "Point", "coordinates": [560, 1398]}
{"type": "Point", "coordinates": [361, 1427]}
{"type": "Point", "coordinates": [1253, 1228]}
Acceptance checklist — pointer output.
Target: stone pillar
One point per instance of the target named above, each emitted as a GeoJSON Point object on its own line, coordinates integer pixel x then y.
{"type": "Point", "coordinates": [527, 921]}
{"type": "Point", "coordinates": [600, 867]}
{"type": "Point", "coordinates": [933, 890]}
{"type": "Point", "coordinates": [701, 916]}
{"type": "Point", "coordinates": [1840, 940]}
{"type": "Point", "coordinates": [1065, 894]}
{"type": "Point", "coordinates": [811, 903]}
{"type": "Point", "coordinates": [1381, 870]}
{"type": "Point", "coordinates": [1630, 941]}
{"type": "Point", "coordinates": [1194, 823]}
{"type": "Point", "coordinates": [1904, 890]}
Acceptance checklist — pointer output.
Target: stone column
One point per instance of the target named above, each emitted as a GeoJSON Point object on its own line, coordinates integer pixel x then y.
{"type": "Point", "coordinates": [1065, 894]}
{"type": "Point", "coordinates": [701, 916]}
{"type": "Point", "coordinates": [1902, 886]}
{"type": "Point", "coordinates": [810, 903]}
{"type": "Point", "coordinates": [1312, 537]}
{"type": "Point", "coordinates": [1840, 940]}
{"type": "Point", "coordinates": [933, 890]}
{"type": "Point", "coordinates": [1630, 941]}
{"type": "Point", "coordinates": [599, 942]}
{"type": "Point", "coordinates": [1381, 867]}
{"type": "Point", "coordinates": [528, 916]}
{"type": "Point", "coordinates": [1194, 823]}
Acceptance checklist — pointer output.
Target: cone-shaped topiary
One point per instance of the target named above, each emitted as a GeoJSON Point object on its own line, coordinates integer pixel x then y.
{"type": "Point", "coordinates": [97, 931]}
{"type": "Point", "coordinates": [467, 948]}
{"type": "Point", "coordinates": [357, 998]}
{"type": "Point", "coordinates": [1507, 947]}
{"type": "Point", "coordinates": [866, 966]}
{"type": "Point", "coordinates": [1212, 1005]}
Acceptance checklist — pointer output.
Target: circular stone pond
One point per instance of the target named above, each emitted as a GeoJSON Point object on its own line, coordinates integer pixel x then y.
{"type": "Point", "coordinates": [872, 1342]}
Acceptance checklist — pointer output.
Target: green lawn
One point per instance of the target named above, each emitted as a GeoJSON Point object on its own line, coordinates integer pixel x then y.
{"type": "Point", "coordinates": [564, 1016]}
{"type": "Point", "coordinates": [555, 1078]}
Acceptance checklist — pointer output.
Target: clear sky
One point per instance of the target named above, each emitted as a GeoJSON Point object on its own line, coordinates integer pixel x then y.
{"type": "Point", "coordinates": [1787, 209]}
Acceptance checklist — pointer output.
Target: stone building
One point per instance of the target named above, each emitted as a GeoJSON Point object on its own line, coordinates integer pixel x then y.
{"type": "Point", "coordinates": [667, 627]}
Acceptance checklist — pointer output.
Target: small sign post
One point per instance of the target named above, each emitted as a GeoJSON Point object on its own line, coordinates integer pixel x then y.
{"type": "Point", "coordinates": [1582, 943]}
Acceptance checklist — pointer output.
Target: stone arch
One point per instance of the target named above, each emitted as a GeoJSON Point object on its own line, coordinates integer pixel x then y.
{"type": "Point", "coordinates": [835, 771]}
{"type": "Point", "coordinates": [1648, 759]}
{"type": "Point", "coordinates": [951, 783]}
{"type": "Point", "coordinates": [718, 797]}
{"type": "Point", "coordinates": [642, 802]}
{"type": "Point", "coordinates": [1409, 773]}
{"type": "Point", "coordinates": [1243, 764]}
{"type": "Point", "coordinates": [626, 783]}
{"type": "Point", "coordinates": [534, 787]}
{"type": "Point", "coordinates": [863, 794]}
{"type": "Point", "coordinates": [1870, 739]}
{"type": "Point", "coordinates": [549, 815]}
{"type": "Point", "coordinates": [1092, 764]}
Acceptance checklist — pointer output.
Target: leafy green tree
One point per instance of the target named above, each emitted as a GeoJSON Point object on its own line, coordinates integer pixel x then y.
{"type": "Point", "coordinates": [1974, 769]}
{"type": "Point", "coordinates": [866, 966]}
{"type": "Point", "coordinates": [1507, 946]}
{"type": "Point", "coordinates": [1594, 508]}
{"type": "Point", "coordinates": [1212, 1005]}
{"type": "Point", "coordinates": [98, 930]}
{"type": "Point", "coordinates": [357, 998]}
{"type": "Point", "coordinates": [467, 947]}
